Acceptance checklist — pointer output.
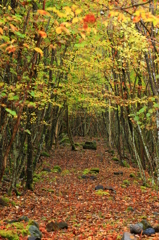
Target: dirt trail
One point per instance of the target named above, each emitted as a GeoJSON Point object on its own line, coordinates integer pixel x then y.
{"type": "Point", "coordinates": [67, 197]}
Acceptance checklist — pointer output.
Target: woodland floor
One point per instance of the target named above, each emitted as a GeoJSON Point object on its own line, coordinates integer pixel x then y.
{"type": "Point", "coordinates": [74, 200]}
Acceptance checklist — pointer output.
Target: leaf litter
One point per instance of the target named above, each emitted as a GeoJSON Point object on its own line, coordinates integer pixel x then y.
{"type": "Point", "coordinates": [67, 197]}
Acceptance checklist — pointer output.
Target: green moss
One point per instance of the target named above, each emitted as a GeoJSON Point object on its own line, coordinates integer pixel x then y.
{"type": "Point", "coordinates": [126, 182]}
{"type": "Point", "coordinates": [38, 176]}
{"type": "Point", "coordinates": [65, 140]}
{"type": "Point", "coordinates": [56, 169]}
{"type": "Point", "coordinates": [123, 186]}
{"type": "Point", "coordinates": [17, 185]}
{"type": "Point", "coordinates": [101, 193]}
{"type": "Point", "coordinates": [78, 144]}
{"type": "Point", "coordinates": [86, 171]}
{"type": "Point", "coordinates": [132, 175]}
{"type": "Point", "coordinates": [32, 222]}
{"type": "Point", "coordinates": [47, 190]}
{"type": "Point", "coordinates": [35, 179]}
{"type": "Point", "coordinates": [10, 235]}
{"type": "Point", "coordinates": [125, 164]}
{"type": "Point", "coordinates": [13, 203]}
{"type": "Point", "coordinates": [115, 159]}
{"type": "Point", "coordinates": [18, 225]}
{"type": "Point", "coordinates": [130, 209]}
{"type": "Point", "coordinates": [143, 188]}
{"type": "Point", "coordinates": [5, 199]}
{"type": "Point", "coordinates": [45, 154]}
{"type": "Point", "coordinates": [94, 170]}
{"type": "Point", "coordinates": [135, 181]}
{"type": "Point", "coordinates": [65, 172]}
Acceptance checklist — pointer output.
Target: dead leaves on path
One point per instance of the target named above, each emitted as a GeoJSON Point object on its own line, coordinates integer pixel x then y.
{"type": "Point", "coordinates": [74, 200]}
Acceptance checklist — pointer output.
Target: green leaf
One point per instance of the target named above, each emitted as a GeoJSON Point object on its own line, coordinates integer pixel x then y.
{"type": "Point", "coordinates": [142, 110]}
{"type": "Point", "coordinates": [27, 131]}
{"type": "Point", "coordinates": [11, 112]}
{"type": "Point", "coordinates": [20, 34]}
{"type": "Point", "coordinates": [3, 94]}
{"type": "Point", "coordinates": [32, 94]}
{"type": "Point", "coordinates": [16, 97]}
{"type": "Point", "coordinates": [136, 118]}
{"type": "Point", "coordinates": [156, 105]}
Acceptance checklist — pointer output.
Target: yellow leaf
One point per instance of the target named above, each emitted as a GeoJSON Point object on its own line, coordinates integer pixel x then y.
{"type": "Point", "coordinates": [25, 45]}
{"type": "Point", "coordinates": [59, 30]}
{"type": "Point", "coordinates": [83, 35]}
{"type": "Point", "coordinates": [68, 11]}
{"type": "Point", "coordinates": [1, 31]}
{"type": "Point", "coordinates": [38, 50]}
{"type": "Point", "coordinates": [65, 30]}
{"type": "Point", "coordinates": [75, 20]}
{"type": "Point", "coordinates": [13, 28]}
{"type": "Point", "coordinates": [51, 9]}
{"type": "Point", "coordinates": [1, 84]}
{"type": "Point", "coordinates": [61, 15]}
{"type": "Point", "coordinates": [3, 45]}
{"type": "Point", "coordinates": [43, 12]}
{"type": "Point", "coordinates": [94, 30]}
{"type": "Point", "coordinates": [56, 23]}
{"type": "Point", "coordinates": [78, 11]}
{"type": "Point", "coordinates": [67, 24]}
{"type": "Point", "coordinates": [74, 7]}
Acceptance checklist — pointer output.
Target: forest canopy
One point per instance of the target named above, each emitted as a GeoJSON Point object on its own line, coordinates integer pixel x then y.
{"type": "Point", "coordinates": [81, 68]}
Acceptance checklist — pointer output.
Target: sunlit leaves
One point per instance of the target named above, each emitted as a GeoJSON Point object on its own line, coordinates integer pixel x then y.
{"type": "Point", "coordinates": [11, 49]}
{"type": "Point", "coordinates": [61, 29]}
{"type": "Point", "coordinates": [43, 12]}
{"type": "Point", "coordinates": [13, 113]}
{"type": "Point", "coordinates": [38, 50]}
{"type": "Point", "coordinates": [1, 31]}
{"type": "Point", "coordinates": [42, 34]}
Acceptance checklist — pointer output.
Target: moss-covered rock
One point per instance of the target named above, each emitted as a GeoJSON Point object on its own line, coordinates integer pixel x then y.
{"type": "Point", "coordinates": [45, 154]}
{"type": "Point", "coordinates": [57, 169]}
{"type": "Point", "coordinates": [86, 171]}
{"type": "Point", "coordinates": [132, 175]}
{"type": "Point", "coordinates": [125, 164]}
{"type": "Point", "coordinates": [101, 192]}
{"type": "Point", "coordinates": [10, 235]}
{"type": "Point", "coordinates": [4, 201]}
{"type": "Point", "coordinates": [94, 170]}
{"type": "Point", "coordinates": [130, 209]}
{"type": "Point", "coordinates": [90, 171]}
{"type": "Point", "coordinates": [20, 228]}
{"type": "Point", "coordinates": [115, 159]}
{"type": "Point", "coordinates": [126, 182]}
{"type": "Point", "coordinates": [90, 145]}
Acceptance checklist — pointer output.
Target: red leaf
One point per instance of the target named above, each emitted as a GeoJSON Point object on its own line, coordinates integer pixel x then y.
{"type": "Point", "coordinates": [89, 18]}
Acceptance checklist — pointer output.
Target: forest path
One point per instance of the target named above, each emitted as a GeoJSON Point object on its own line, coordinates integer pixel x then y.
{"type": "Point", "coordinates": [65, 196]}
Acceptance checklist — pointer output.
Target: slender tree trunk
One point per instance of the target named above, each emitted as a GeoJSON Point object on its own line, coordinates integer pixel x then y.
{"type": "Point", "coordinates": [69, 130]}
{"type": "Point", "coordinates": [29, 183]}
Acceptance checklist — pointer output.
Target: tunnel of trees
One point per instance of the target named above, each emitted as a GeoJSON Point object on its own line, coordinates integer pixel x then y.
{"type": "Point", "coordinates": [78, 68]}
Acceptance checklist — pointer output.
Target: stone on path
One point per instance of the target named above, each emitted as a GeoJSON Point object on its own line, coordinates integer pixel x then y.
{"type": "Point", "coordinates": [128, 236]}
